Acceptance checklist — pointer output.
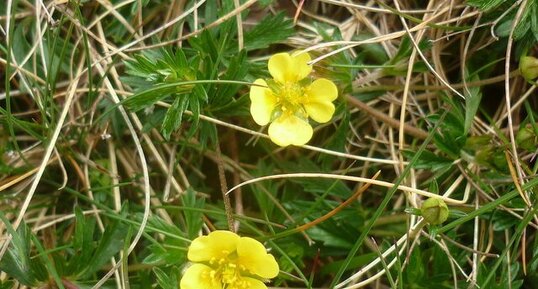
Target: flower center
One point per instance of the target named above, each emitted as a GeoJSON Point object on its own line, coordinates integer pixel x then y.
{"type": "Point", "coordinates": [290, 95]}
{"type": "Point", "coordinates": [227, 273]}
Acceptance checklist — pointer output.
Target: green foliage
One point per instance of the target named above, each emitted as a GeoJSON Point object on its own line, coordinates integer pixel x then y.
{"type": "Point", "coordinates": [526, 30]}
{"type": "Point", "coordinates": [486, 4]}
{"type": "Point", "coordinates": [473, 97]}
{"type": "Point", "coordinates": [270, 30]}
{"type": "Point", "coordinates": [17, 260]}
{"type": "Point", "coordinates": [193, 218]}
{"type": "Point", "coordinates": [451, 138]}
{"type": "Point", "coordinates": [186, 88]}
{"type": "Point", "coordinates": [167, 280]}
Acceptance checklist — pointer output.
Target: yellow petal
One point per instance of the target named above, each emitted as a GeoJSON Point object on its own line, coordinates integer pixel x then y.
{"type": "Point", "coordinates": [318, 101]}
{"type": "Point", "coordinates": [218, 245]}
{"type": "Point", "coordinates": [321, 111]}
{"type": "Point", "coordinates": [197, 276]}
{"type": "Point", "coordinates": [253, 283]}
{"type": "Point", "coordinates": [253, 256]}
{"type": "Point", "coordinates": [290, 130]}
{"type": "Point", "coordinates": [302, 68]}
{"type": "Point", "coordinates": [262, 102]}
{"type": "Point", "coordinates": [322, 89]}
{"type": "Point", "coordinates": [286, 68]}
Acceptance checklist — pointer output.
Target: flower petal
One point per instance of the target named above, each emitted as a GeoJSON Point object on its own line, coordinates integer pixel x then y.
{"type": "Point", "coordinates": [279, 67]}
{"type": "Point", "coordinates": [262, 102]}
{"type": "Point", "coordinates": [319, 97]}
{"type": "Point", "coordinates": [290, 129]}
{"type": "Point", "coordinates": [217, 245]}
{"type": "Point", "coordinates": [322, 89]}
{"type": "Point", "coordinates": [253, 256]}
{"type": "Point", "coordinates": [254, 283]}
{"type": "Point", "coordinates": [301, 60]}
{"type": "Point", "coordinates": [287, 68]}
{"type": "Point", "coordinates": [197, 277]}
{"type": "Point", "coordinates": [321, 111]}
{"type": "Point", "coordinates": [302, 68]}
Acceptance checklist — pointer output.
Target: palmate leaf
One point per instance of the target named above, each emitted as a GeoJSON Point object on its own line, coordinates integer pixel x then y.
{"type": "Point", "coordinates": [272, 29]}
{"type": "Point", "coordinates": [150, 96]}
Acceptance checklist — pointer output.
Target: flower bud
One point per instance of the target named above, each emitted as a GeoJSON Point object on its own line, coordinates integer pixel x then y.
{"type": "Point", "coordinates": [434, 211]}
{"type": "Point", "coordinates": [528, 66]}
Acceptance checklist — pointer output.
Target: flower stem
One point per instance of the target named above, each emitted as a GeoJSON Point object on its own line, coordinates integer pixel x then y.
{"type": "Point", "coordinates": [224, 188]}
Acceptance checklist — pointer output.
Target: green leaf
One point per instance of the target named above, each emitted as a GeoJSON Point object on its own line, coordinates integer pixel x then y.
{"type": "Point", "coordinates": [503, 29]}
{"type": "Point", "coordinates": [150, 96]}
{"type": "Point", "coordinates": [429, 160]}
{"type": "Point", "coordinates": [329, 238]}
{"type": "Point", "coordinates": [83, 244]}
{"type": "Point", "coordinates": [7, 284]}
{"type": "Point", "coordinates": [110, 244]}
{"type": "Point", "coordinates": [47, 262]}
{"type": "Point", "coordinates": [16, 261]}
{"type": "Point", "coordinates": [237, 68]}
{"type": "Point", "coordinates": [534, 263]}
{"type": "Point", "coordinates": [166, 253]}
{"type": "Point", "coordinates": [356, 262]}
{"type": "Point", "coordinates": [534, 21]}
{"type": "Point", "coordinates": [167, 280]}
{"type": "Point", "coordinates": [272, 29]}
{"type": "Point", "coordinates": [415, 271]}
{"type": "Point", "coordinates": [172, 119]}
{"type": "Point", "coordinates": [473, 96]}
{"type": "Point", "coordinates": [160, 225]}
{"type": "Point", "coordinates": [485, 4]}
{"type": "Point", "coordinates": [524, 23]}
{"type": "Point", "coordinates": [193, 218]}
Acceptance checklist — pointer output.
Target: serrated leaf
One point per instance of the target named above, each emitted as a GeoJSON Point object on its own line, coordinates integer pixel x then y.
{"type": "Point", "coordinates": [236, 69]}
{"type": "Point", "coordinates": [110, 244]}
{"type": "Point", "coordinates": [272, 29]}
{"type": "Point", "coordinates": [165, 255]}
{"type": "Point", "coordinates": [83, 244]}
{"type": "Point", "coordinates": [194, 105]}
{"type": "Point", "coordinates": [47, 263]}
{"type": "Point", "coordinates": [150, 96]}
{"type": "Point", "coordinates": [534, 21]}
{"type": "Point", "coordinates": [16, 261]}
{"type": "Point", "coordinates": [193, 219]}
{"type": "Point", "coordinates": [473, 96]}
{"type": "Point", "coordinates": [524, 24]}
{"type": "Point", "coordinates": [160, 225]}
{"type": "Point", "coordinates": [172, 119]}
{"type": "Point", "coordinates": [329, 238]}
{"type": "Point", "coordinates": [485, 4]}
{"type": "Point", "coordinates": [166, 280]}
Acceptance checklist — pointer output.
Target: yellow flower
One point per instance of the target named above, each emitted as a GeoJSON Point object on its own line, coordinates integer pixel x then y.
{"type": "Point", "coordinates": [223, 260]}
{"type": "Point", "coordinates": [289, 99]}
